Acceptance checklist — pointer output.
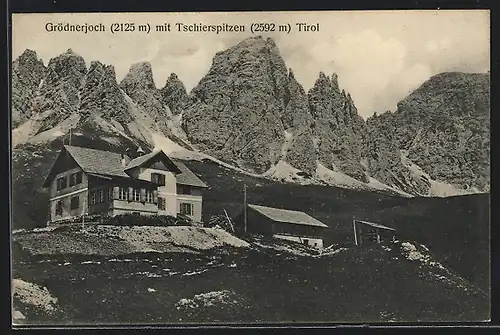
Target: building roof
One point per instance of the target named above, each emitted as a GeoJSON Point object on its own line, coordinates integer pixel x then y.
{"type": "Point", "coordinates": [140, 160]}
{"type": "Point", "coordinates": [187, 177]}
{"type": "Point", "coordinates": [375, 225]}
{"type": "Point", "coordinates": [106, 163]}
{"type": "Point", "coordinates": [98, 161]}
{"type": "Point", "coordinates": [288, 216]}
{"type": "Point", "coordinates": [144, 159]}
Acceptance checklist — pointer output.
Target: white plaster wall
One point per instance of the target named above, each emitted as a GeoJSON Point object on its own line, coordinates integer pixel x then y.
{"type": "Point", "coordinates": [195, 200]}
{"type": "Point", "coordinates": [313, 242]}
{"type": "Point", "coordinates": [168, 192]}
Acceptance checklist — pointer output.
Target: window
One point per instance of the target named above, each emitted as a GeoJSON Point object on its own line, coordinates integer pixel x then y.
{"type": "Point", "coordinates": [101, 195]}
{"type": "Point", "coordinates": [137, 194]}
{"type": "Point", "coordinates": [75, 178]}
{"type": "Point", "coordinates": [110, 194]}
{"type": "Point", "coordinates": [186, 209]}
{"type": "Point", "coordinates": [61, 183]}
{"type": "Point", "coordinates": [161, 204]}
{"type": "Point", "coordinates": [158, 178]}
{"type": "Point", "coordinates": [123, 193]}
{"type": "Point", "coordinates": [59, 208]}
{"type": "Point", "coordinates": [183, 189]}
{"type": "Point", "coordinates": [75, 202]}
{"type": "Point", "coordinates": [149, 196]}
{"type": "Point", "coordinates": [93, 198]}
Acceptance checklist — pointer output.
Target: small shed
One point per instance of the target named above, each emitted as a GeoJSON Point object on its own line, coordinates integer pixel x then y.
{"type": "Point", "coordinates": [281, 223]}
{"type": "Point", "coordinates": [365, 231]}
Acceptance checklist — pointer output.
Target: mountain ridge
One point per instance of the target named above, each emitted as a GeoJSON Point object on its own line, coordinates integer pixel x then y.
{"type": "Point", "coordinates": [250, 84]}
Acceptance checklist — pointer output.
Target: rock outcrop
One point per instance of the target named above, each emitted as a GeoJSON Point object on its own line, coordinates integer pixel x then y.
{"type": "Point", "coordinates": [27, 74]}
{"type": "Point", "coordinates": [59, 93]}
{"type": "Point", "coordinates": [101, 94]}
{"type": "Point", "coordinates": [139, 85]}
{"type": "Point", "coordinates": [442, 127]}
{"type": "Point", "coordinates": [299, 123]}
{"type": "Point", "coordinates": [234, 113]}
{"type": "Point", "coordinates": [174, 94]}
{"type": "Point", "coordinates": [250, 111]}
{"type": "Point", "coordinates": [338, 128]}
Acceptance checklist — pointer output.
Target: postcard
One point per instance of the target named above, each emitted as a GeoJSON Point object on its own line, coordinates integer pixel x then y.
{"type": "Point", "coordinates": [250, 168]}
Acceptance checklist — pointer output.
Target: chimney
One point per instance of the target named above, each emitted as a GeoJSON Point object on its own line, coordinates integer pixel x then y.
{"type": "Point", "coordinates": [124, 160]}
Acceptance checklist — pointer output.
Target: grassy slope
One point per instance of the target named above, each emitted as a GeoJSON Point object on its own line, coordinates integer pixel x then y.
{"type": "Point", "coordinates": [456, 229]}
{"type": "Point", "coordinates": [263, 287]}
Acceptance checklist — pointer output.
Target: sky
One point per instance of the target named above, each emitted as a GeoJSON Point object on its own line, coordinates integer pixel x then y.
{"type": "Point", "coordinates": [379, 56]}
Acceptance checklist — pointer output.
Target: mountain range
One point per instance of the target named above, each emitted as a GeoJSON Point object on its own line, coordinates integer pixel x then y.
{"type": "Point", "coordinates": [250, 113]}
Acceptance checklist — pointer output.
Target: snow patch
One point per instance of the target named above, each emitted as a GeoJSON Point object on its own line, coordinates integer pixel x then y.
{"type": "Point", "coordinates": [193, 273]}
{"type": "Point", "coordinates": [284, 172]}
{"type": "Point", "coordinates": [110, 128]}
{"type": "Point", "coordinates": [34, 295]}
{"type": "Point", "coordinates": [336, 178]}
{"type": "Point", "coordinates": [287, 144]}
{"type": "Point", "coordinates": [440, 189]}
{"type": "Point", "coordinates": [172, 149]}
{"type": "Point", "coordinates": [16, 315]}
{"type": "Point", "coordinates": [437, 188]}
{"type": "Point", "coordinates": [207, 299]}
{"type": "Point", "coordinates": [59, 130]}
{"type": "Point", "coordinates": [376, 184]}
{"type": "Point", "coordinates": [198, 238]}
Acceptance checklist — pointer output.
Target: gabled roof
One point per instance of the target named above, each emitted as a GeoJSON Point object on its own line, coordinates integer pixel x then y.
{"type": "Point", "coordinates": [375, 225]}
{"type": "Point", "coordinates": [91, 161]}
{"type": "Point", "coordinates": [144, 159]}
{"type": "Point", "coordinates": [106, 163]}
{"type": "Point", "coordinates": [288, 216]}
{"type": "Point", "coordinates": [98, 161]}
{"type": "Point", "coordinates": [187, 177]}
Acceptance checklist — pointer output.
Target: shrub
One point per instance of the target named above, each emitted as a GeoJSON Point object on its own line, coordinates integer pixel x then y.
{"type": "Point", "coordinates": [129, 220]}
{"type": "Point", "coordinates": [146, 220]}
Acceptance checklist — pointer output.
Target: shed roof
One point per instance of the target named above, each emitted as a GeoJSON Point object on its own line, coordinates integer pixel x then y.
{"type": "Point", "coordinates": [288, 216]}
{"type": "Point", "coordinates": [376, 225]}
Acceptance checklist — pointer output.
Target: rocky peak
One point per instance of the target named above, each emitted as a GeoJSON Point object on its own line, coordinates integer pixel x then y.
{"type": "Point", "coordinates": [27, 74]}
{"type": "Point", "coordinates": [174, 94]}
{"type": "Point", "coordinates": [337, 126]}
{"type": "Point", "coordinates": [298, 122]}
{"type": "Point", "coordinates": [139, 85]}
{"type": "Point", "coordinates": [235, 111]}
{"type": "Point", "coordinates": [335, 80]}
{"type": "Point", "coordinates": [28, 59]}
{"type": "Point", "coordinates": [140, 75]}
{"type": "Point", "coordinates": [102, 96]}
{"type": "Point", "coordinates": [68, 66]}
{"type": "Point", "coordinates": [444, 128]}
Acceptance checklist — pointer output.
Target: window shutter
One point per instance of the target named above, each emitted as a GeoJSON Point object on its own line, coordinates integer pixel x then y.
{"type": "Point", "coordinates": [116, 192]}
{"type": "Point", "coordinates": [143, 195]}
{"type": "Point", "coordinates": [155, 197]}
{"type": "Point", "coordinates": [130, 194]}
